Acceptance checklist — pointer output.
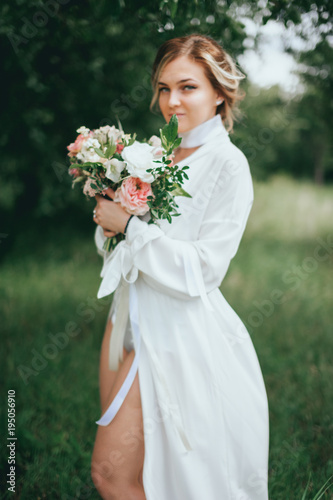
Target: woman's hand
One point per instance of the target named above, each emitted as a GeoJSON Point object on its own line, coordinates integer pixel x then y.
{"type": "Point", "coordinates": [110, 215]}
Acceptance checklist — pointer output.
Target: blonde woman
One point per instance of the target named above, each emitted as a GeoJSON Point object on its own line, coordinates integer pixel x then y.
{"type": "Point", "coordinates": [185, 416]}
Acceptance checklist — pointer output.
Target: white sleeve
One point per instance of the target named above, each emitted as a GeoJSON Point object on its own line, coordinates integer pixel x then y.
{"type": "Point", "coordinates": [180, 267]}
{"type": "Point", "coordinates": [99, 240]}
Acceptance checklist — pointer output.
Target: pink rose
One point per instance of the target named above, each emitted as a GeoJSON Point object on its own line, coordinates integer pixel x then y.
{"type": "Point", "coordinates": [75, 147]}
{"type": "Point", "coordinates": [132, 195]}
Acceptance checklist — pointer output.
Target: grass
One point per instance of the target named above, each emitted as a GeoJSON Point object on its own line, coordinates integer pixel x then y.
{"type": "Point", "coordinates": [279, 285]}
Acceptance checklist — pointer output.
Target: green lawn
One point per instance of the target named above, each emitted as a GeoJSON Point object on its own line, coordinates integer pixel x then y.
{"type": "Point", "coordinates": [279, 284]}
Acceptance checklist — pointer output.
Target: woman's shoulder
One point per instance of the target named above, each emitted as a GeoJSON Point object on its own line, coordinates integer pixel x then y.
{"type": "Point", "coordinates": [226, 155]}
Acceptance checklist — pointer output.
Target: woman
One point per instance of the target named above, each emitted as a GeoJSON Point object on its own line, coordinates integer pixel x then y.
{"type": "Point", "coordinates": [192, 422]}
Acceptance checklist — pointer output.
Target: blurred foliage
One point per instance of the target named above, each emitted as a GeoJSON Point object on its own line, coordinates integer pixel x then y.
{"type": "Point", "coordinates": [68, 63]}
{"type": "Point", "coordinates": [293, 136]}
{"type": "Point", "coordinates": [290, 12]}
{"type": "Point", "coordinates": [316, 109]}
{"type": "Point", "coordinates": [267, 132]}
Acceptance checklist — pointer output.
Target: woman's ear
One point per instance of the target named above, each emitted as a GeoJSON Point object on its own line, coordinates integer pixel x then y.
{"type": "Point", "coordinates": [219, 100]}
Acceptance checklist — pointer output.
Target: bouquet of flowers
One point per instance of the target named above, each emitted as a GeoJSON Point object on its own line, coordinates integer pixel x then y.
{"type": "Point", "coordinates": [142, 174]}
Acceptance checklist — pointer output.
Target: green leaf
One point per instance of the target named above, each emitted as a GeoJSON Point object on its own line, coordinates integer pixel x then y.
{"type": "Point", "coordinates": [132, 140]}
{"type": "Point", "coordinates": [173, 9]}
{"type": "Point", "coordinates": [177, 142]}
{"type": "Point", "coordinates": [92, 164]}
{"type": "Point", "coordinates": [169, 132]}
{"type": "Point", "coordinates": [76, 165]}
{"type": "Point", "coordinates": [79, 179]}
{"type": "Point", "coordinates": [179, 191]}
{"type": "Point", "coordinates": [99, 152]}
{"type": "Point", "coordinates": [169, 150]}
{"type": "Point", "coordinates": [323, 489]}
{"type": "Point", "coordinates": [110, 150]}
{"type": "Point", "coordinates": [306, 489]}
{"type": "Point", "coordinates": [164, 143]}
{"type": "Point", "coordinates": [164, 135]}
{"type": "Point", "coordinates": [173, 128]}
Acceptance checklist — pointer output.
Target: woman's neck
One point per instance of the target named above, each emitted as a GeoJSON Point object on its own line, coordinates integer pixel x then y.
{"type": "Point", "coordinates": [200, 134]}
{"type": "Point", "coordinates": [182, 153]}
{"type": "Point", "coordinates": [195, 138]}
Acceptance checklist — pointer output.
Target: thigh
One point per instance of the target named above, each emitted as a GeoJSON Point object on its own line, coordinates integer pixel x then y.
{"type": "Point", "coordinates": [119, 448]}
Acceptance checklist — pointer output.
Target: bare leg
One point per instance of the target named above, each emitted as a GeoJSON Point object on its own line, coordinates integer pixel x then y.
{"type": "Point", "coordinates": [118, 454]}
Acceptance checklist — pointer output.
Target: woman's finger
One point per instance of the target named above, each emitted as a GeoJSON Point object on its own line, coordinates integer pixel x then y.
{"type": "Point", "coordinates": [110, 193]}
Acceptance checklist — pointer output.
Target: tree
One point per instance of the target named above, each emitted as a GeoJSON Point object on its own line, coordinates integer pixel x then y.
{"type": "Point", "coordinates": [74, 63]}
{"type": "Point", "coordinates": [69, 63]}
{"type": "Point", "coordinates": [316, 108]}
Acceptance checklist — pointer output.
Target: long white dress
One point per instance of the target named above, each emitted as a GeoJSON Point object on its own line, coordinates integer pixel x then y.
{"type": "Point", "coordinates": [204, 402]}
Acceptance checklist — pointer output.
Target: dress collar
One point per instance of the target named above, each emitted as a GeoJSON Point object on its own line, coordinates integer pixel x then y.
{"type": "Point", "coordinates": [202, 133]}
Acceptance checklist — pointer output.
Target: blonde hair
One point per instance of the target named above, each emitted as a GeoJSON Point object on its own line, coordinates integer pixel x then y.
{"type": "Point", "coordinates": [219, 67]}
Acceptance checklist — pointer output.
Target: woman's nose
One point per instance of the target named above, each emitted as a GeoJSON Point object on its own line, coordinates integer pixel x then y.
{"type": "Point", "coordinates": [174, 98]}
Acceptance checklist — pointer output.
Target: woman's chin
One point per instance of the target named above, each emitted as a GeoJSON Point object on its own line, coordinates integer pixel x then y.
{"type": "Point", "coordinates": [183, 126]}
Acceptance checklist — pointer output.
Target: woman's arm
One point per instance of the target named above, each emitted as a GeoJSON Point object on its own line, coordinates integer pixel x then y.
{"type": "Point", "coordinates": [177, 267]}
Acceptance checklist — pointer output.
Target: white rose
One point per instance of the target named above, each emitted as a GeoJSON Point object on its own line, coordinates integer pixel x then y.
{"type": "Point", "coordinates": [139, 157]}
{"type": "Point", "coordinates": [114, 168]}
{"type": "Point", "coordinates": [87, 152]}
{"type": "Point", "coordinates": [84, 131]}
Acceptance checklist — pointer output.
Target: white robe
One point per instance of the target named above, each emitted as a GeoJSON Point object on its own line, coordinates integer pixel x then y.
{"type": "Point", "coordinates": [204, 402]}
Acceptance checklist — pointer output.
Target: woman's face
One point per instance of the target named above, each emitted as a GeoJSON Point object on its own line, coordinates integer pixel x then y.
{"type": "Point", "coordinates": [185, 90]}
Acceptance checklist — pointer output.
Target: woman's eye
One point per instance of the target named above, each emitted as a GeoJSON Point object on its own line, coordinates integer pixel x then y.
{"type": "Point", "coordinates": [189, 87]}
{"type": "Point", "coordinates": [163, 89]}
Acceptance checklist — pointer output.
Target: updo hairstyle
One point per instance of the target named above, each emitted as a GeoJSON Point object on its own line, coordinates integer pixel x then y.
{"type": "Point", "coordinates": [219, 67]}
